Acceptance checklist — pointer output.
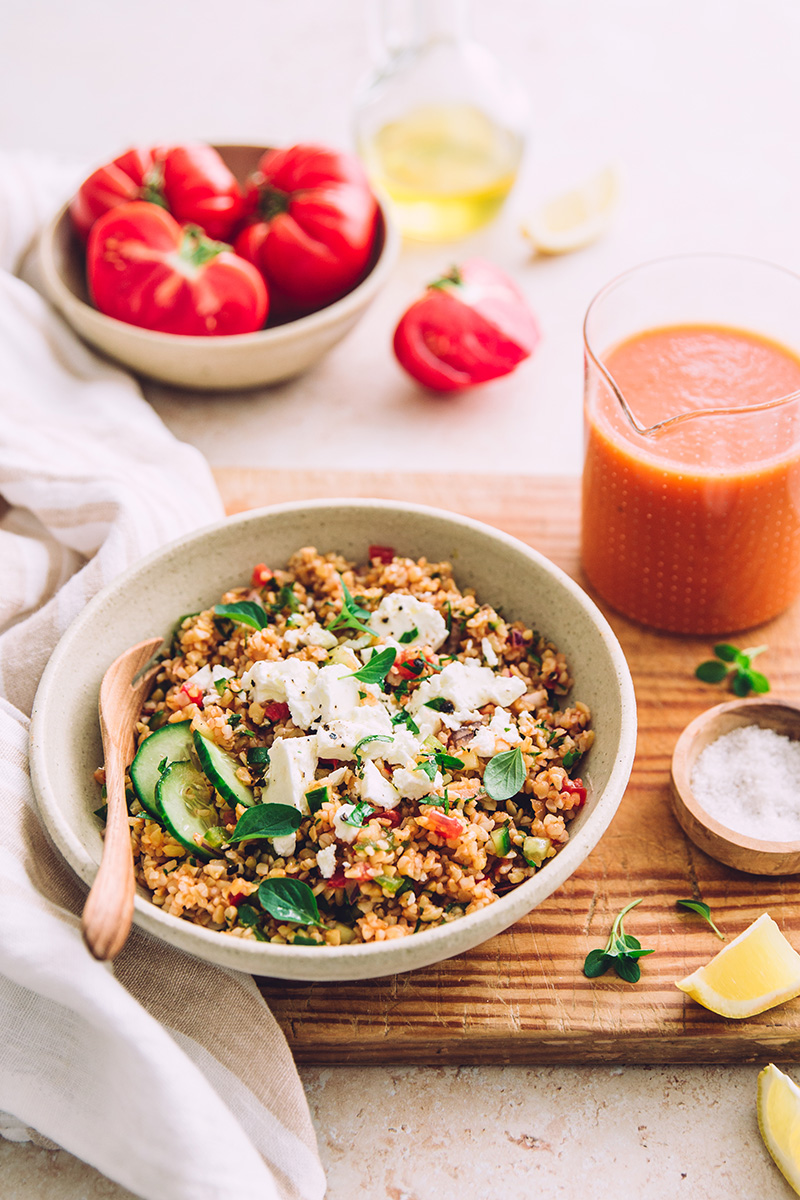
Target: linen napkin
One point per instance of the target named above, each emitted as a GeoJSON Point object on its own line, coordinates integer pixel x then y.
{"type": "Point", "coordinates": [167, 1074]}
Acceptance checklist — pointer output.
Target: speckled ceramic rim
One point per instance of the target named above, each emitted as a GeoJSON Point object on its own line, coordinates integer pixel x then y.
{"type": "Point", "coordinates": [532, 570]}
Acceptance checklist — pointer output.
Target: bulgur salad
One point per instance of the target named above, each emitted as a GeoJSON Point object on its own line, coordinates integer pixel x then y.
{"type": "Point", "coordinates": [340, 754]}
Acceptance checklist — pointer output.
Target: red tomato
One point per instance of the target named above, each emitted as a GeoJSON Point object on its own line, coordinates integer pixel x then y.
{"type": "Point", "coordinates": [412, 665]}
{"type": "Point", "coordinates": [575, 788]}
{"type": "Point", "coordinates": [276, 710]}
{"type": "Point", "coordinates": [384, 554]}
{"type": "Point", "coordinates": [261, 575]}
{"type": "Point", "coordinates": [200, 190]}
{"type": "Point", "coordinates": [471, 326]}
{"type": "Point", "coordinates": [312, 224]}
{"type": "Point", "coordinates": [446, 827]}
{"type": "Point", "coordinates": [192, 182]}
{"type": "Point", "coordinates": [117, 182]}
{"type": "Point", "coordinates": [145, 269]}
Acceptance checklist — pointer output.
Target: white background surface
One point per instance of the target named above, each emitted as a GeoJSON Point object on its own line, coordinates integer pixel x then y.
{"type": "Point", "coordinates": [698, 101]}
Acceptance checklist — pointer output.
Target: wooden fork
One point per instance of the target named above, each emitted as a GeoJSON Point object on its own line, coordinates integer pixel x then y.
{"type": "Point", "coordinates": [108, 911]}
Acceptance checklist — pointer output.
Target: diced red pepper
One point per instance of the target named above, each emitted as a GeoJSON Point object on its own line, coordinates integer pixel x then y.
{"type": "Point", "coordinates": [276, 710]}
{"type": "Point", "coordinates": [338, 880]}
{"type": "Point", "coordinates": [446, 827]}
{"type": "Point", "coordinates": [575, 787]}
{"type": "Point", "coordinates": [262, 574]}
{"type": "Point", "coordinates": [194, 694]}
{"type": "Point", "coordinates": [384, 554]}
{"type": "Point", "coordinates": [237, 897]}
{"type": "Point", "coordinates": [391, 815]}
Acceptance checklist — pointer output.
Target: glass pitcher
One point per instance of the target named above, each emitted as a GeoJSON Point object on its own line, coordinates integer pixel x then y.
{"type": "Point", "coordinates": [691, 480]}
{"type": "Point", "coordinates": [439, 124]}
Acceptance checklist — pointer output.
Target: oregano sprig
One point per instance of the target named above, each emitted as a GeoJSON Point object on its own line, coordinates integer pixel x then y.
{"type": "Point", "coordinates": [622, 951]}
{"type": "Point", "coordinates": [730, 660]}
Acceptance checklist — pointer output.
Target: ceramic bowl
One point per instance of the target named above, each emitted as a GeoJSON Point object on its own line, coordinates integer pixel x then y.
{"type": "Point", "coordinates": [754, 855]}
{"type": "Point", "coordinates": [244, 360]}
{"type": "Point", "coordinates": [192, 573]}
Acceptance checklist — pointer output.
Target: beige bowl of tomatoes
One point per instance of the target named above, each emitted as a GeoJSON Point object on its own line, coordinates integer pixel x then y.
{"type": "Point", "coordinates": [227, 362]}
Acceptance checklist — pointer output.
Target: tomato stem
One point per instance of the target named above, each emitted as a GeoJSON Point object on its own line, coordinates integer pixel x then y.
{"type": "Point", "coordinates": [198, 249]}
{"type": "Point", "coordinates": [272, 202]}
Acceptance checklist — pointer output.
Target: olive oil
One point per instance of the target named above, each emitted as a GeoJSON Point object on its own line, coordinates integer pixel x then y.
{"type": "Point", "coordinates": [447, 169]}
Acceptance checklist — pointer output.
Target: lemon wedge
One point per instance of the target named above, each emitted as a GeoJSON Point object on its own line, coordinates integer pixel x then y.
{"type": "Point", "coordinates": [778, 1107]}
{"type": "Point", "coordinates": [575, 218]}
{"type": "Point", "coordinates": [756, 971]}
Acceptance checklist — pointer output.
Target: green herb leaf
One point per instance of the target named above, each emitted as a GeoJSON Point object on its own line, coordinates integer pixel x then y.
{"type": "Point", "coordinates": [449, 761]}
{"type": "Point", "coordinates": [102, 813]}
{"type": "Point", "coordinates": [245, 612]}
{"type": "Point", "coordinates": [406, 638]}
{"type": "Point", "coordinates": [428, 767]}
{"type": "Point", "coordinates": [299, 940]}
{"type": "Point", "coordinates": [257, 755]}
{"type": "Point", "coordinates": [352, 615]}
{"type": "Point", "coordinates": [439, 704]}
{"type": "Point", "coordinates": [758, 682]}
{"type": "Point", "coordinates": [360, 813]}
{"type": "Point", "coordinates": [726, 652]}
{"type": "Point", "coordinates": [504, 774]}
{"type": "Point", "coordinates": [221, 686]}
{"type": "Point", "coordinates": [316, 798]}
{"type": "Point", "coordinates": [627, 968]}
{"type": "Point", "coordinates": [286, 599]}
{"type": "Point", "coordinates": [248, 915]}
{"type": "Point", "coordinates": [711, 671]}
{"type": "Point", "coordinates": [289, 900]}
{"type": "Point", "coordinates": [570, 758]}
{"type": "Point", "coordinates": [404, 717]}
{"type": "Point", "coordinates": [741, 683]}
{"type": "Point", "coordinates": [266, 821]}
{"type": "Point", "coordinates": [372, 737]}
{"type": "Point", "coordinates": [378, 667]}
{"type": "Point", "coordinates": [697, 906]}
{"type": "Point", "coordinates": [596, 963]}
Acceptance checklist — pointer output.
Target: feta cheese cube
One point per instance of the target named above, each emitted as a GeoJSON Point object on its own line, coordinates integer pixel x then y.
{"type": "Point", "coordinates": [285, 846]}
{"type": "Point", "coordinates": [289, 680]}
{"type": "Point", "coordinates": [326, 861]}
{"type": "Point", "coordinates": [489, 652]}
{"type": "Point", "coordinates": [292, 764]}
{"type": "Point", "coordinates": [399, 614]}
{"type": "Point", "coordinates": [500, 734]}
{"type": "Point", "coordinates": [343, 831]}
{"type": "Point", "coordinates": [468, 686]}
{"type": "Point", "coordinates": [376, 790]}
{"type": "Point", "coordinates": [415, 784]}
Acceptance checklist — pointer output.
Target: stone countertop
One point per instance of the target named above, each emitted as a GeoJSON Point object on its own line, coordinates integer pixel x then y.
{"type": "Point", "coordinates": [698, 104]}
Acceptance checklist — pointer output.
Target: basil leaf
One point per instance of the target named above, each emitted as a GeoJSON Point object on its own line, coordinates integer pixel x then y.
{"type": "Point", "coordinates": [726, 652]}
{"type": "Point", "coordinates": [404, 717]}
{"type": "Point", "coordinates": [289, 900]}
{"type": "Point", "coordinates": [377, 668]}
{"type": "Point", "coordinates": [245, 612]}
{"type": "Point", "coordinates": [439, 704]}
{"type": "Point", "coordinates": [286, 599]}
{"type": "Point", "coordinates": [627, 968]}
{"type": "Point", "coordinates": [504, 774]}
{"type": "Point", "coordinates": [712, 671]}
{"type": "Point", "coordinates": [359, 814]}
{"type": "Point", "coordinates": [248, 915]}
{"type": "Point", "coordinates": [266, 821]}
{"type": "Point", "coordinates": [373, 737]}
{"type": "Point", "coordinates": [597, 963]}
{"type": "Point", "coordinates": [406, 638]}
{"type": "Point", "coordinates": [257, 755]}
{"type": "Point", "coordinates": [449, 760]}
{"type": "Point", "coordinates": [758, 682]}
{"type": "Point", "coordinates": [703, 911]}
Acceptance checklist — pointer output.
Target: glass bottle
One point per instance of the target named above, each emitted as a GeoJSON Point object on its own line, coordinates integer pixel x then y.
{"type": "Point", "coordinates": [439, 124]}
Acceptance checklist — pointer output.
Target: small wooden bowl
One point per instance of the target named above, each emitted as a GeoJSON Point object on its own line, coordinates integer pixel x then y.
{"type": "Point", "coordinates": [756, 856]}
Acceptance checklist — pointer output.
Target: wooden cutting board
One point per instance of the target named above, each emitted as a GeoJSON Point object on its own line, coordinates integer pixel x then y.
{"type": "Point", "coordinates": [522, 997]}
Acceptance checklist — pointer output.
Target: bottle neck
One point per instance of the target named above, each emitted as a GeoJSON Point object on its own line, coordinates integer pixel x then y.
{"type": "Point", "coordinates": [398, 26]}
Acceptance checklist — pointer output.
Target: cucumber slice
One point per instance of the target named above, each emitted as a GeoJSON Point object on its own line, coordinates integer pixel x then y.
{"type": "Point", "coordinates": [220, 767]}
{"type": "Point", "coordinates": [173, 742]}
{"type": "Point", "coordinates": [501, 840]}
{"type": "Point", "coordinates": [185, 802]}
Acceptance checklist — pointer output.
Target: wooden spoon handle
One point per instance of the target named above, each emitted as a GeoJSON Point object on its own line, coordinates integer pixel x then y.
{"type": "Point", "coordinates": [108, 911]}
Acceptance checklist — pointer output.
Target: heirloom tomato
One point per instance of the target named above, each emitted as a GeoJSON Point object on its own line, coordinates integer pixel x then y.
{"type": "Point", "coordinates": [312, 222]}
{"type": "Point", "coordinates": [471, 326]}
{"type": "Point", "coordinates": [146, 269]}
{"type": "Point", "coordinates": [192, 182]}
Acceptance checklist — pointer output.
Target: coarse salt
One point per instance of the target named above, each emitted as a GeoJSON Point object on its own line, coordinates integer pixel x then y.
{"type": "Point", "coordinates": [749, 781]}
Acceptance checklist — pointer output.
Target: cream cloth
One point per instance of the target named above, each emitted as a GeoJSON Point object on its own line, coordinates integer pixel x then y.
{"type": "Point", "coordinates": [168, 1075]}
